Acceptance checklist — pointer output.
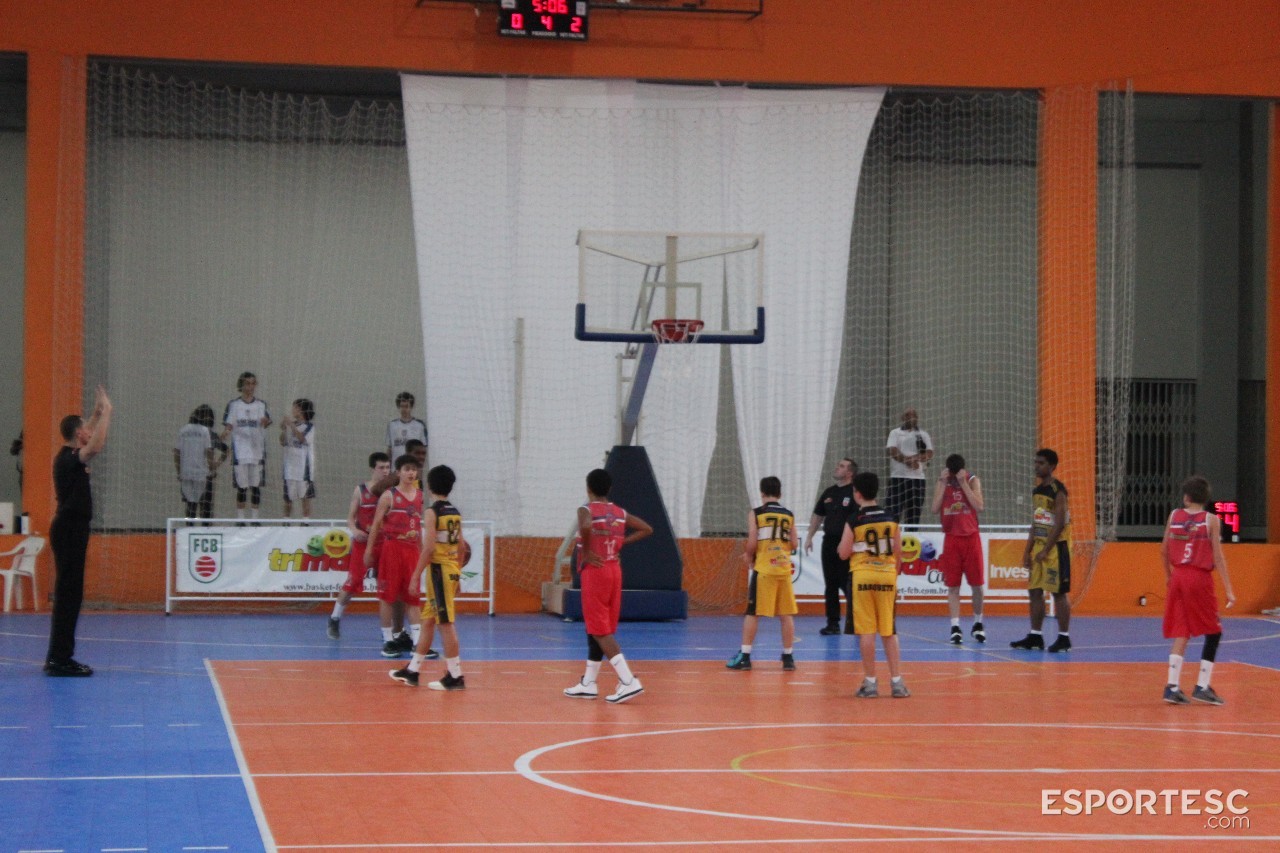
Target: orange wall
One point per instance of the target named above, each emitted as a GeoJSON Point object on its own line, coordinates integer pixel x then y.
{"type": "Point", "coordinates": [1128, 570]}
{"type": "Point", "coordinates": [1195, 46]}
{"type": "Point", "coordinates": [128, 571]}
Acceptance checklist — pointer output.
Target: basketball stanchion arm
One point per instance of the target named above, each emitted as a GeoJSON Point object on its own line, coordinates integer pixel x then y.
{"type": "Point", "coordinates": [639, 382]}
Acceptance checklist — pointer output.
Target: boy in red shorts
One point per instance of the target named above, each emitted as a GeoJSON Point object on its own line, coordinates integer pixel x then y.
{"type": "Point", "coordinates": [1192, 549]}
{"type": "Point", "coordinates": [958, 500]}
{"type": "Point", "coordinates": [398, 520]}
{"type": "Point", "coordinates": [364, 504]}
{"type": "Point", "coordinates": [603, 529]}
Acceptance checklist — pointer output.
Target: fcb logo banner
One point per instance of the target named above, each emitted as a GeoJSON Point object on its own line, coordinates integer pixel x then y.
{"type": "Point", "coordinates": [302, 561]}
{"type": "Point", "coordinates": [261, 559]}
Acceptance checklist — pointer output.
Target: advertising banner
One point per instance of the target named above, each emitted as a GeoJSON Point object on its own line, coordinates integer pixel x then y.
{"type": "Point", "coordinates": [298, 560]}
{"type": "Point", "coordinates": [921, 576]}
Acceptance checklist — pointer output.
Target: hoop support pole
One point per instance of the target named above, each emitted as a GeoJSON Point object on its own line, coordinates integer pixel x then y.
{"type": "Point", "coordinates": [639, 383]}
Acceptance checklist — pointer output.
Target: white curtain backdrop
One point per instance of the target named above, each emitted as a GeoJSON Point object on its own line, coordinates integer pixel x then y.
{"type": "Point", "coordinates": [505, 172]}
{"type": "Point", "coordinates": [804, 155]}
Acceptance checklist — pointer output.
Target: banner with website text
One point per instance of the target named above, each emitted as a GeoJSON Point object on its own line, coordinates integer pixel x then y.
{"type": "Point", "coordinates": [295, 560]}
{"type": "Point", "coordinates": [921, 577]}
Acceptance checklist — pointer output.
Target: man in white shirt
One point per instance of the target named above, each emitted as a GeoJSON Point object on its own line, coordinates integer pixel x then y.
{"type": "Point", "coordinates": [910, 449]}
{"type": "Point", "coordinates": [405, 428]}
{"type": "Point", "coordinates": [245, 422]}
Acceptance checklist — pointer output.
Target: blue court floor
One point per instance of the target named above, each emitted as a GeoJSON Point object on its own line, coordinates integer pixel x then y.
{"type": "Point", "coordinates": [139, 757]}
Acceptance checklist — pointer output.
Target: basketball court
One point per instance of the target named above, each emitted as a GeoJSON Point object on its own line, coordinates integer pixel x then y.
{"type": "Point", "coordinates": [209, 732]}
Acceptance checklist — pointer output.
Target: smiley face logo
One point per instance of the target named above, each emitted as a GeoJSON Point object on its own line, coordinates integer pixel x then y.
{"type": "Point", "coordinates": [337, 543]}
{"type": "Point", "coordinates": [910, 548]}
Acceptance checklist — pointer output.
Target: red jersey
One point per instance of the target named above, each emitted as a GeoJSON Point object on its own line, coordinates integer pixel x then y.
{"type": "Point", "coordinates": [608, 529]}
{"type": "Point", "coordinates": [404, 519]}
{"type": "Point", "coordinates": [366, 509]}
{"type": "Point", "coordinates": [958, 515]}
{"type": "Point", "coordinates": [1189, 543]}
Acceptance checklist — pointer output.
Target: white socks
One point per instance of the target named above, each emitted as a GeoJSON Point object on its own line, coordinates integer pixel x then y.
{"type": "Point", "coordinates": [593, 671]}
{"type": "Point", "coordinates": [619, 664]}
{"type": "Point", "coordinates": [1206, 670]}
{"type": "Point", "coordinates": [1175, 669]}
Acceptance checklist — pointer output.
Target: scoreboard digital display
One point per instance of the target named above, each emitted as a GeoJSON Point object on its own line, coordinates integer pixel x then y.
{"type": "Point", "coordinates": [550, 19]}
{"type": "Point", "coordinates": [1228, 513]}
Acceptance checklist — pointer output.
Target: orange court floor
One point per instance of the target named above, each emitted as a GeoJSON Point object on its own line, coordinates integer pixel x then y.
{"type": "Point", "coordinates": [296, 742]}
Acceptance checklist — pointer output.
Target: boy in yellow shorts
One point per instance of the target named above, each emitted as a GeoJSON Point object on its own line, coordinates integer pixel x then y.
{"type": "Point", "coordinates": [771, 540]}
{"type": "Point", "coordinates": [872, 543]}
{"type": "Point", "coordinates": [442, 540]}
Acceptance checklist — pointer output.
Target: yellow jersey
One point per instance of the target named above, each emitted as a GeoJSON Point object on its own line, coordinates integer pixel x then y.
{"type": "Point", "coordinates": [874, 531]}
{"type": "Point", "coordinates": [448, 534]}
{"type": "Point", "coordinates": [775, 527]}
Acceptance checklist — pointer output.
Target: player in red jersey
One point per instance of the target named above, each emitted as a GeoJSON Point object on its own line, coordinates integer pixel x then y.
{"type": "Point", "coordinates": [398, 520]}
{"type": "Point", "coordinates": [603, 529]}
{"type": "Point", "coordinates": [1192, 549]}
{"type": "Point", "coordinates": [364, 504]}
{"type": "Point", "coordinates": [958, 500]}
{"type": "Point", "coordinates": [403, 640]}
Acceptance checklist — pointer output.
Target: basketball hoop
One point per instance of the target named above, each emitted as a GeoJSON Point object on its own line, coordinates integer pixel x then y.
{"type": "Point", "coordinates": [676, 331]}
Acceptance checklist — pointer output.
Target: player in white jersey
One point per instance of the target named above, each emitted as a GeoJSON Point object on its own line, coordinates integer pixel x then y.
{"type": "Point", "coordinates": [298, 438]}
{"type": "Point", "coordinates": [405, 428]}
{"type": "Point", "coordinates": [245, 422]}
{"type": "Point", "coordinates": [196, 459]}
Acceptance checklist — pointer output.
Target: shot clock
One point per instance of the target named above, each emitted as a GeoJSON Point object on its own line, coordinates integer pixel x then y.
{"type": "Point", "coordinates": [551, 19]}
{"type": "Point", "coordinates": [1228, 513]}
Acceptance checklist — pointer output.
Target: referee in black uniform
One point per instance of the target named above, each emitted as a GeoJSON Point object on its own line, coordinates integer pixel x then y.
{"type": "Point", "coordinates": [832, 511]}
{"type": "Point", "coordinates": [69, 532]}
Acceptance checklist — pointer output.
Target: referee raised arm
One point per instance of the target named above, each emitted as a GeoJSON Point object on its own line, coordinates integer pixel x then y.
{"type": "Point", "coordinates": [69, 532]}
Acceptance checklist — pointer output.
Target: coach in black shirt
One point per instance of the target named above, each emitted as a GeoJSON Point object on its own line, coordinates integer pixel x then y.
{"type": "Point", "coordinates": [832, 511]}
{"type": "Point", "coordinates": [69, 532]}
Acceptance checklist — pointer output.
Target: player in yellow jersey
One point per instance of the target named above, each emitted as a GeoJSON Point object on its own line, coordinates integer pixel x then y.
{"type": "Point", "coordinates": [771, 540]}
{"type": "Point", "coordinates": [872, 543]}
{"type": "Point", "coordinates": [1047, 557]}
{"type": "Point", "coordinates": [442, 539]}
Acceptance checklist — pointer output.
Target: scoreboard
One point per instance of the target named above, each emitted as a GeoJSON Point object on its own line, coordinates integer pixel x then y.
{"type": "Point", "coordinates": [550, 19]}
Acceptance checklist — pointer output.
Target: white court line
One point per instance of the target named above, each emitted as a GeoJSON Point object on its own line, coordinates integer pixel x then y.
{"type": "Point", "coordinates": [660, 771]}
{"type": "Point", "coordinates": [1258, 665]}
{"type": "Point", "coordinates": [859, 839]}
{"type": "Point", "coordinates": [524, 764]}
{"type": "Point", "coordinates": [159, 777]}
{"type": "Point", "coordinates": [268, 841]}
{"type": "Point", "coordinates": [728, 771]}
{"type": "Point", "coordinates": [719, 724]}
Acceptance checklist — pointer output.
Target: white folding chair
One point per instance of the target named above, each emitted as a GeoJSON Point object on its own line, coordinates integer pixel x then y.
{"type": "Point", "coordinates": [23, 565]}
